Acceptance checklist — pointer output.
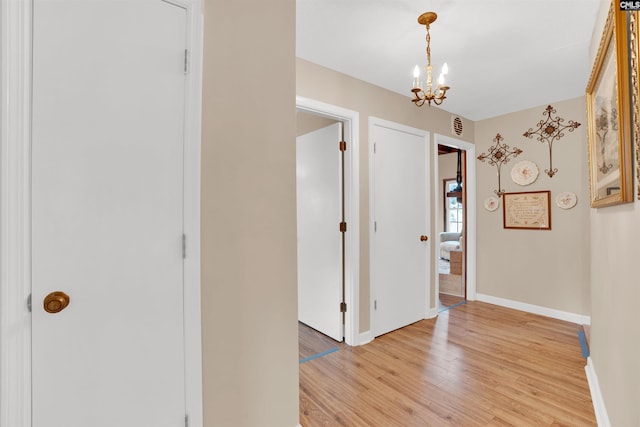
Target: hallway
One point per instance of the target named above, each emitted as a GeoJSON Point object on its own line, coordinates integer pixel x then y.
{"type": "Point", "coordinates": [476, 364]}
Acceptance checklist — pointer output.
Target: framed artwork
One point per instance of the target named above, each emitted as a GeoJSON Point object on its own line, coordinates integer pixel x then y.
{"type": "Point", "coordinates": [634, 53]}
{"type": "Point", "coordinates": [529, 210]}
{"type": "Point", "coordinates": [609, 116]}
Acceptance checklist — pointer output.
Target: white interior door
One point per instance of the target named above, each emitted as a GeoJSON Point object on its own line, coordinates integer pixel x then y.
{"type": "Point", "coordinates": [107, 222]}
{"type": "Point", "coordinates": [319, 201]}
{"type": "Point", "coordinates": [400, 260]}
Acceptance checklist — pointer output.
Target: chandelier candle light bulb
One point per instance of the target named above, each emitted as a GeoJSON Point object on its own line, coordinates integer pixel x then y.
{"type": "Point", "coordinates": [428, 95]}
{"type": "Point", "coordinates": [416, 78]}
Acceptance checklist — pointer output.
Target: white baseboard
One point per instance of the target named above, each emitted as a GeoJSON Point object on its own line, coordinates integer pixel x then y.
{"type": "Point", "coordinates": [580, 319]}
{"type": "Point", "coordinates": [596, 396]}
{"type": "Point", "coordinates": [432, 312]}
{"type": "Point", "coordinates": [365, 338]}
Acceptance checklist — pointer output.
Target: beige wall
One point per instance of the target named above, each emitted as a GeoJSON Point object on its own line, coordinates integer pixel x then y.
{"type": "Point", "coordinates": [307, 122]}
{"type": "Point", "coordinates": [249, 302]}
{"type": "Point", "coordinates": [615, 295]}
{"type": "Point", "coordinates": [321, 84]}
{"type": "Point", "coordinates": [543, 268]}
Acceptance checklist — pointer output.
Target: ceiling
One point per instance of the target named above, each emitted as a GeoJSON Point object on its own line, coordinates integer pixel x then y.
{"type": "Point", "coordinates": [503, 55]}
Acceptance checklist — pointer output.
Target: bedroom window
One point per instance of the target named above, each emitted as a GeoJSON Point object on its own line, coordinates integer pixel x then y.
{"type": "Point", "coordinates": [453, 209]}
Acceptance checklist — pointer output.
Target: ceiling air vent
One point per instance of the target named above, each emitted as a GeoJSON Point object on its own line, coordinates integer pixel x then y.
{"type": "Point", "coordinates": [456, 125]}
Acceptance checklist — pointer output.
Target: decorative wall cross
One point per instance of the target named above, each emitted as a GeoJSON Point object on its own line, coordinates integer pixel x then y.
{"type": "Point", "coordinates": [549, 130]}
{"type": "Point", "coordinates": [498, 155]}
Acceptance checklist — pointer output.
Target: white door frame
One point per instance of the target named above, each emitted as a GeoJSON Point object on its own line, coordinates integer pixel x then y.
{"type": "Point", "coordinates": [15, 214]}
{"type": "Point", "coordinates": [374, 121]}
{"type": "Point", "coordinates": [470, 207]}
{"type": "Point", "coordinates": [350, 119]}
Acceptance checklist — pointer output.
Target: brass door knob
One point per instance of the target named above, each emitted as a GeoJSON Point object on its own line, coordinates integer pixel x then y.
{"type": "Point", "coordinates": [423, 238]}
{"type": "Point", "coordinates": [55, 302]}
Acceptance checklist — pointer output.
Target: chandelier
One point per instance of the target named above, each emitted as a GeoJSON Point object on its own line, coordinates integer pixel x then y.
{"type": "Point", "coordinates": [427, 94]}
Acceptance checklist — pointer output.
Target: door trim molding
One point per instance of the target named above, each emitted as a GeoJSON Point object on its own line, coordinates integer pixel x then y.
{"type": "Point", "coordinates": [351, 122]}
{"type": "Point", "coordinates": [470, 244]}
{"type": "Point", "coordinates": [15, 214]}
{"type": "Point", "coordinates": [192, 180]}
{"type": "Point", "coordinates": [426, 135]}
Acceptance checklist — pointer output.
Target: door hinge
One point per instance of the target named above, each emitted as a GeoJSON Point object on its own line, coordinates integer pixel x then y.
{"type": "Point", "coordinates": [343, 307]}
{"type": "Point", "coordinates": [343, 145]}
{"type": "Point", "coordinates": [186, 421]}
{"type": "Point", "coordinates": [184, 246]}
{"type": "Point", "coordinates": [374, 148]}
{"type": "Point", "coordinates": [375, 304]}
{"type": "Point", "coordinates": [186, 61]}
{"type": "Point", "coordinates": [375, 226]}
{"type": "Point", "coordinates": [343, 227]}
{"type": "Point", "coordinates": [29, 303]}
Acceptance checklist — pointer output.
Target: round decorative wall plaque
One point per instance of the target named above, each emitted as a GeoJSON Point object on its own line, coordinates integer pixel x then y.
{"type": "Point", "coordinates": [524, 172]}
{"type": "Point", "coordinates": [566, 200]}
{"type": "Point", "coordinates": [491, 203]}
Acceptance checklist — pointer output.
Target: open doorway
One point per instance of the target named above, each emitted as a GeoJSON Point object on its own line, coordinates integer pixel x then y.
{"type": "Point", "coordinates": [319, 200]}
{"type": "Point", "coordinates": [329, 206]}
{"type": "Point", "coordinates": [451, 226]}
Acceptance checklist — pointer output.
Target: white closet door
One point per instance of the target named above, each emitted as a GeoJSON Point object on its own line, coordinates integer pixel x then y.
{"type": "Point", "coordinates": [108, 136]}
{"type": "Point", "coordinates": [319, 201]}
{"type": "Point", "coordinates": [400, 259]}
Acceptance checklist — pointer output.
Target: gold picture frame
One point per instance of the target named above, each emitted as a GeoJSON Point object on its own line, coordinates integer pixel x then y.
{"type": "Point", "coordinates": [634, 54]}
{"type": "Point", "coordinates": [530, 210]}
{"type": "Point", "coordinates": [609, 116]}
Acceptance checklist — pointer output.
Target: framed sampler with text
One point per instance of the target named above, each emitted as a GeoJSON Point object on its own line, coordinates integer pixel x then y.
{"type": "Point", "coordinates": [528, 210]}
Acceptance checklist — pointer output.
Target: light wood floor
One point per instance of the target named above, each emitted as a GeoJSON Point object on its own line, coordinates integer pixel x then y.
{"type": "Point", "coordinates": [446, 300]}
{"type": "Point", "coordinates": [475, 365]}
{"type": "Point", "coordinates": [312, 342]}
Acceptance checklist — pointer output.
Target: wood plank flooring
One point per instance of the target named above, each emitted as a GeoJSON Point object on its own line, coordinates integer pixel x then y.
{"type": "Point", "coordinates": [447, 300]}
{"type": "Point", "coordinates": [475, 365]}
{"type": "Point", "coordinates": [312, 342]}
